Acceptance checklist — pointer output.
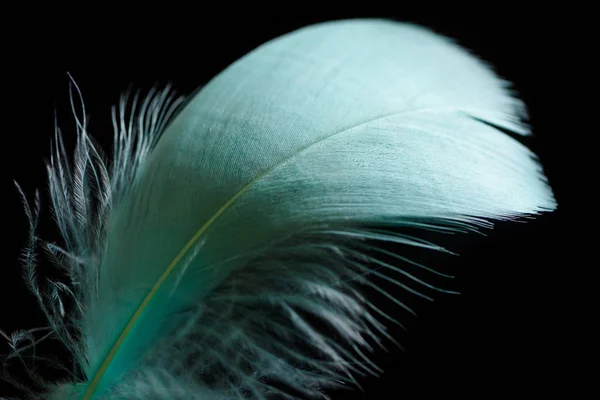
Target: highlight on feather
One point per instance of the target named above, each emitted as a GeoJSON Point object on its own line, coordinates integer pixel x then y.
{"type": "Point", "coordinates": [223, 252]}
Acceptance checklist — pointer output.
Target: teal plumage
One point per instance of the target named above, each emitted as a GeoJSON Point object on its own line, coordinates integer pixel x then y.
{"type": "Point", "coordinates": [219, 224]}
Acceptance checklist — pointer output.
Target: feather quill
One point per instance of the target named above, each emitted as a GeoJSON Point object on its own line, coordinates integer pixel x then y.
{"type": "Point", "coordinates": [201, 254]}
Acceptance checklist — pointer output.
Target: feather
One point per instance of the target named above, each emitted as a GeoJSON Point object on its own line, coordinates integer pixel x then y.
{"type": "Point", "coordinates": [200, 257]}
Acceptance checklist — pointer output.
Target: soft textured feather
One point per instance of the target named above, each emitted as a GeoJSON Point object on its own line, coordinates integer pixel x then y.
{"type": "Point", "coordinates": [197, 268]}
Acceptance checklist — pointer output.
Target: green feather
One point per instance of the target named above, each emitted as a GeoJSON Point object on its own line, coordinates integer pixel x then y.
{"type": "Point", "coordinates": [255, 203]}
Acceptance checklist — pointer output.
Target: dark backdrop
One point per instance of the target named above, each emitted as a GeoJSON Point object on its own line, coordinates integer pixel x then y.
{"type": "Point", "coordinates": [498, 336]}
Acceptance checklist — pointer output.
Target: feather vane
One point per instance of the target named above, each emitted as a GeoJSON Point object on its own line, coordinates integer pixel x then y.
{"type": "Point", "coordinates": [221, 232]}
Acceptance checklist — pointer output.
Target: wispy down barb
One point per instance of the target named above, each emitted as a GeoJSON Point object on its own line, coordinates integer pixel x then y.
{"type": "Point", "coordinates": [82, 194]}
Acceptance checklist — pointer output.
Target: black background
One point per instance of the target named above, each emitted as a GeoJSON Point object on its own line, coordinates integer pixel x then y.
{"type": "Point", "coordinates": [498, 337]}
